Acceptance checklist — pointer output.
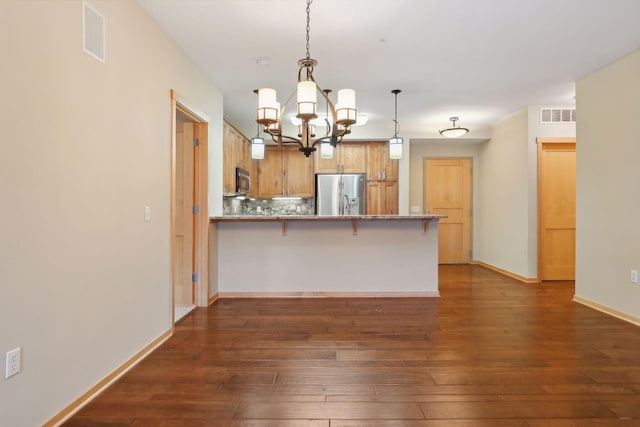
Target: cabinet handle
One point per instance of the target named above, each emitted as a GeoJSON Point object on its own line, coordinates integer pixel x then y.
{"type": "Point", "coordinates": [384, 176]}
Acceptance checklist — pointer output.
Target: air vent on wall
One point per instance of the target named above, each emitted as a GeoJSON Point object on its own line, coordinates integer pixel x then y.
{"type": "Point", "coordinates": [93, 32]}
{"type": "Point", "coordinates": [557, 115]}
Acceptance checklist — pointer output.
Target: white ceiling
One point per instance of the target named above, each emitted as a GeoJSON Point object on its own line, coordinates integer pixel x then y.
{"type": "Point", "coordinates": [477, 59]}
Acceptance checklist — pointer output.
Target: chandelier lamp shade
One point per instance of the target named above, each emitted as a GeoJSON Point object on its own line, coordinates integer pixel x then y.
{"type": "Point", "coordinates": [395, 142]}
{"type": "Point", "coordinates": [454, 131]}
{"type": "Point", "coordinates": [339, 117]}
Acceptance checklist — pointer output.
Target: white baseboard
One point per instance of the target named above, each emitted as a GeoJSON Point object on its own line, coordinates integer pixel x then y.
{"type": "Point", "coordinates": [607, 310]}
{"type": "Point", "coordinates": [94, 391]}
{"type": "Point", "coordinates": [507, 273]}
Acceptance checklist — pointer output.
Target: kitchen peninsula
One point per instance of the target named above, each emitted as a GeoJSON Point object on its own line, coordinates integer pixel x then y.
{"type": "Point", "coordinates": [308, 255]}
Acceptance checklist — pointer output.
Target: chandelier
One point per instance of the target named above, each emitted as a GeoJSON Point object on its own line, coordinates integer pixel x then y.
{"type": "Point", "coordinates": [339, 117]}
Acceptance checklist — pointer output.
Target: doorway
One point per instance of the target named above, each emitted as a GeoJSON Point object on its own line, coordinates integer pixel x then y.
{"type": "Point", "coordinates": [556, 208]}
{"type": "Point", "coordinates": [447, 191]}
{"type": "Point", "coordinates": [189, 219]}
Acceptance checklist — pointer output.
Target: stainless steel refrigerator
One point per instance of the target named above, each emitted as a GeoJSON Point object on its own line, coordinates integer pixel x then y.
{"type": "Point", "coordinates": [341, 194]}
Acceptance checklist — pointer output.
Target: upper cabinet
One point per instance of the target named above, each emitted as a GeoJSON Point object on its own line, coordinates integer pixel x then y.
{"type": "Point", "coordinates": [236, 154]}
{"type": "Point", "coordinates": [379, 166]}
{"type": "Point", "coordinates": [284, 171]}
{"type": "Point", "coordinates": [382, 180]}
{"type": "Point", "coordinates": [348, 157]}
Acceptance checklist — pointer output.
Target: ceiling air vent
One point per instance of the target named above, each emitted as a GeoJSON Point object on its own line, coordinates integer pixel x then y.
{"type": "Point", "coordinates": [92, 32]}
{"type": "Point", "coordinates": [557, 115]}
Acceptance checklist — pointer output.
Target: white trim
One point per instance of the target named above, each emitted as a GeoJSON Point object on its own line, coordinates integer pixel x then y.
{"type": "Point", "coordinates": [186, 104]}
{"type": "Point", "coordinates": [607, 310]}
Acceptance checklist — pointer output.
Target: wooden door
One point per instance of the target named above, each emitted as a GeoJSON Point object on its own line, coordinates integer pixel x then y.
{"type": "Point", "coordinates": [184, 201]}
{"type": "Point", "coordinates": [556, 209]}
{"type": "Point", "coordinates": [447, 186]}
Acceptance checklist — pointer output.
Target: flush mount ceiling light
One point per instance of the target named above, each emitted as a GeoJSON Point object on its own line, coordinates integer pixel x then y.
{"type": "Point", "coordinates": [340, 116]}
{"type": "Point", "coordinates": [454, 131]}
{"type": "Point", "coordinates": [395, 142]}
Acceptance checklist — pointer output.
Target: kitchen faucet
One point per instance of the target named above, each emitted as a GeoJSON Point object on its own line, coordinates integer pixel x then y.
{"type": "Point", "coordinates": [346, 208]}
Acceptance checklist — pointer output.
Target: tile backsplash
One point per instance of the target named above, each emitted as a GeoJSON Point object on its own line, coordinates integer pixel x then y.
{"type": "Point", "coordinates": [267, 207]}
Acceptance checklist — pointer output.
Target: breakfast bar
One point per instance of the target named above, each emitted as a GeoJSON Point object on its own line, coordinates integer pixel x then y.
{"type": "Point", "coordinates": [326, 256]}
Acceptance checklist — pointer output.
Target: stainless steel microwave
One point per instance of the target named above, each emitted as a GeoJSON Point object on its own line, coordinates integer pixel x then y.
{"type": "Point", "coordinates": [243, 181]}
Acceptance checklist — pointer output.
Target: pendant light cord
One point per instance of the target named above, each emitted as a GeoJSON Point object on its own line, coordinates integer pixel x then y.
{"type": "Point", "coordinates": [395, 116]}
{"type": "Point", "coordinates": [308, 25]}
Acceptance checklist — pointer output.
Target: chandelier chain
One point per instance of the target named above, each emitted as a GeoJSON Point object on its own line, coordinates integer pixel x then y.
{"type": "Point", "coordinates": [308, 25]}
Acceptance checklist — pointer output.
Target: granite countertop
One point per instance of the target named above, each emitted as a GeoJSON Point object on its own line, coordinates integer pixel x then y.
{"type": "Point", "coordinates": [258, 218]}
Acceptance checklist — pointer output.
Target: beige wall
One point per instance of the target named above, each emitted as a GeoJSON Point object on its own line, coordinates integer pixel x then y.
{"type": "Point", "coordinates": [608, 199]}
{"type": "Point", "coordinates": [85, 146]}
{"type": "Point", "coordinates": [422, 151]}
{"type": "Point", "coordinates": [502, 214]}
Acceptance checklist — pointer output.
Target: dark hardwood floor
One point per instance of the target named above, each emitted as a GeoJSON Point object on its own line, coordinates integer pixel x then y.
{"type": "Point", "coordinates": [490, 352]}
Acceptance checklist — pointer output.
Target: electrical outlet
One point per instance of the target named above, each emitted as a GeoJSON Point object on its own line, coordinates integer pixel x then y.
{"type": "Point", "coordinates": [634, 276]}
{"type": "Point", "coordinates": [13, 362]}
{"type": "Point", "coordinates": [147, 213]}
{"type": "Point", "coordinates": [415, 209]}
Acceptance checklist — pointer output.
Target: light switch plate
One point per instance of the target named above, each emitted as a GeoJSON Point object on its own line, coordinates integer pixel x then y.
{"type": "Point", "coordinates": [147, 213]}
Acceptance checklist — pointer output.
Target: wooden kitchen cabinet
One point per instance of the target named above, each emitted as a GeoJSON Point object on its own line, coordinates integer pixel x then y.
{"type": "Point", "coordinates": [348, 157]}
{"type": "Point", "coordinates": [382, 180]}
{"type": "Point", "coordinates": [284, 171]}
{"type": "Point", "coordinates": [382, 198]}
{"type": "Point", "coordinates": [298, 173]}
{"type": "Point", "coordinates": [236, 154]}
{"type": "Point", "coordinates": [379, 166]}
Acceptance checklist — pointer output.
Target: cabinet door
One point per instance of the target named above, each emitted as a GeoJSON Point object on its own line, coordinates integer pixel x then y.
{"type": "Point", "coordinates": [229, 162]}
{"type": "Point", "coordinates": [352, 157]}
{"type": "Point", "coordinates": [388, 167]}
{"type": "Point", "coordinates": [326, 165]}
{"type": "Point", "coordinates": [375, 160]}
{"type": "Point", "coordinates": [298, 173]}
{"type": "Point", "coordinates": [375, 198]}
{"type": "Point", "coordinates": [379, 166]}
{"type": "Point", "coordinates": [270, 173]}
{"type": "Point", "coordinates": [240, 150]}
{"type": "Point", "coordinates": [391, 198]}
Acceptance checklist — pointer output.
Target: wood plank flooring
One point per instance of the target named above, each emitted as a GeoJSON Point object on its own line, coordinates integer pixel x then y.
{"type": "Point", "coordinates": [489, 352]}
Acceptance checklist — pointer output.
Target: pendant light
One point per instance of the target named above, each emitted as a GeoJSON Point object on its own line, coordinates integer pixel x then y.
{"type": "Point", "coordinates": [257, 146]}
{"type": "Point", "coordinates": [395, 142]}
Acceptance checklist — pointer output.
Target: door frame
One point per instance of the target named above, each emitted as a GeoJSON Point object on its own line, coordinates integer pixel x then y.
{"type": "Point", "coordinates": [201, 219]}
{"type": "Point", "coordinates": [540, 141]}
